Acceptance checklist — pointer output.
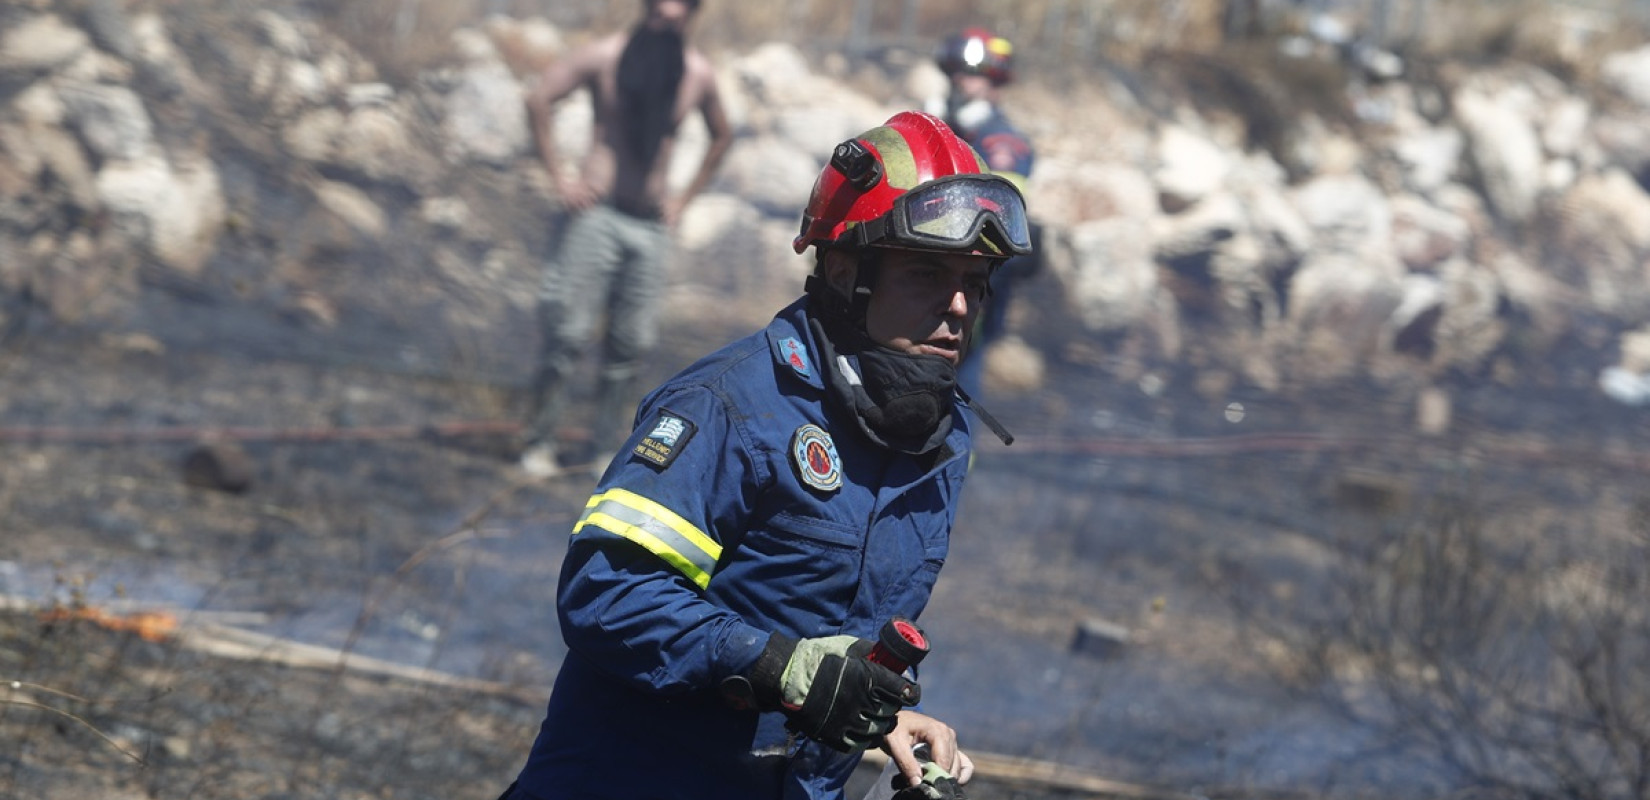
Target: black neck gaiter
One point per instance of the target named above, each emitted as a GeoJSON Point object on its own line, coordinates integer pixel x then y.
{"type": "Point", "coordinates": [650, 73]}
{"type": "Point", "coordinates": [902, 401]}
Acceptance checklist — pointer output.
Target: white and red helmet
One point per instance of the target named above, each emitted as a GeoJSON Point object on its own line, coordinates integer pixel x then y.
{"type": "Point", "coordinates": [977, 51]}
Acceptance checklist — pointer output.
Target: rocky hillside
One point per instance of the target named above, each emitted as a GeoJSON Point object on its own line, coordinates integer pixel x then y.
{"type": "Point", "coordinates": [1276, 222]}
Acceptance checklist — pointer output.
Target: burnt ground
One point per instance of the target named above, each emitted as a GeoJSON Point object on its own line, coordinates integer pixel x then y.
{"type": "Point", "coordinates": [173, 722]}
{"type": "Point", "coordinates": [366, 385]}
{"type": "Point", "coordinates": [366, 525]}
{"type": "Point", "coordinates": [352, 536]}
{"type": "Point", "coordinates": [104, 524]}
{"type": "Point", "coordinates": [376, 523]}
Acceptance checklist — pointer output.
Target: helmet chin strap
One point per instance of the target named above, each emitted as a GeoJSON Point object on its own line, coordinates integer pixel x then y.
{"type": "Point", "coordinates": [847, 311]}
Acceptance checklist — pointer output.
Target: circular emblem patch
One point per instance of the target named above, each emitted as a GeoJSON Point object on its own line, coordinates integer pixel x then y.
{"type": "Point", "coordinates": [816, 459]}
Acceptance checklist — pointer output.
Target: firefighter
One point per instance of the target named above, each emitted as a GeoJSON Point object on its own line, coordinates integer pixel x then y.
{"type": "Point", "coordinates": [979, 64]}
{"type": "Point", "coordinates": [781, 500]}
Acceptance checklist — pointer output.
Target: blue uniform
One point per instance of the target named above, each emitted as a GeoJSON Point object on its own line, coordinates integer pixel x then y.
{"type": "Point", "coordinates": [744, 504]}
{"type": "Point", "coordinates": [1004, 148]}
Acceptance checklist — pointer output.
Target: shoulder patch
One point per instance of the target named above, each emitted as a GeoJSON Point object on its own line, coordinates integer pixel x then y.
{"type": "Point", "coordinates": [814, 455]}
{"type": "Point", "coordinates": [796, 356]}
{"type": "Point", "coordinates": [664, 442]}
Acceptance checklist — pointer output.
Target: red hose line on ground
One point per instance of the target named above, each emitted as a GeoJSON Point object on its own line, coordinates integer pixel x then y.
{"type": "Point", "coordinates": [1207, 446]}
{"type": "Point", "coordinates": [1201, 446]}
{"type": "Point", "coordinates": [1487, 448]}
{"type": "Point", "coordinates": [1522, 450]}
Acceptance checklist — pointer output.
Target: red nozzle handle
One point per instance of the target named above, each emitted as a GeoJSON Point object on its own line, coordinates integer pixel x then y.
{"type": "Point", "coordinates": [900, 644]}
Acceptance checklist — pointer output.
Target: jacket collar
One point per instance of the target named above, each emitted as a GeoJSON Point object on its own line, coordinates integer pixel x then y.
{"type": "Point", "coordinates": [793, 346]}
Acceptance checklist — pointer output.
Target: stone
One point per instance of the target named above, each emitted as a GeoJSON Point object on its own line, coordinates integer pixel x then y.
{"type": "Point", "coordinates": [1190, 167]}
{"type": "Point", "coordinates": [1099, 638]}
{"type": "Point", "coordinates": [177, 211]}
{"type": "Point", "coordinates": [352, 206]}
{"type": "Point", "coordinates": [1629, 74]}
{"type": "Point", "coordinates": [771, 173]}
{"type": "Point", "coordinates": [1108, 271]}
{"type": "Point", "coordinates": [111, 120]}
{"type": "Point", "coordinates": [1012, 365]}
{"type": "Point", "coordinates": [1432, 411]}
{"type": "Point", "coordinates": [1369, 491]}
{"type": "Point", "coordinates": [41, 43]}
{"type": "Point", "coordinates": [220, 466]}
{"type": "Point", "coordinates": [486, 121]}
{"type": "Point", "coordinates": [1506, 149]}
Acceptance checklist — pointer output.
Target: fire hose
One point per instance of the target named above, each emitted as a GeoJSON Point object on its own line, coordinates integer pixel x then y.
{"type": "Point", "coordinates": [1498, 448]}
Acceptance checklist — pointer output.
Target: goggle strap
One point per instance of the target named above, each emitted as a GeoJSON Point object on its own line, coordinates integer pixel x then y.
{"type": "Point", "coordinates": [871, 231]}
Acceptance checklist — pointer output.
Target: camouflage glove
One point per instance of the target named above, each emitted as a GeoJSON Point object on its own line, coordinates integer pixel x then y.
{"type": "Point", "coordinates": [937, 784]}
{"type": "Point", "coordinates": [829, 691]}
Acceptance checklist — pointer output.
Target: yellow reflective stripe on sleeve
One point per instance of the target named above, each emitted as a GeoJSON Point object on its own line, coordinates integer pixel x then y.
{"type": "Point", "coordinates": [659, 530]}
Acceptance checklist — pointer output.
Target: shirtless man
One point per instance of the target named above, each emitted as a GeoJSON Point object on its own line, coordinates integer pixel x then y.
{"type": "Point", "coordinates": [611, 255]}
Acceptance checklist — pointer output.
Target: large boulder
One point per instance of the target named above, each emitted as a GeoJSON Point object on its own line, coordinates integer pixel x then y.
{"type": "Point", "coordinates": [39, 43]}
{"type": "Point", "coordinates": [1065, 191]}
{"type": "Point", "coordinates": [1109, 272]}
{"type": "Point", "coordinates": [1504, 146]}
{"type": "Point", "coordinates": [1628, 73]}
{"type": "Point", "coordinates": [486, 120]}
{"type": "Point", "coordinates": [1189, 167]}
{"type": "Point", "coordinates": [772, 173]}
{"type": "Point", "coordinates": [174, 210]}
{"type": "Point", "coordinates": [1347, 214]}
{"type": "Point", "coordinates": [111, 121]}
{"type": "Point", "coordinates": [1424, 235]}
{"type": "Point", "coordinates": [1340, 307]}
{"type": "Point", "coordinates": [1430, 157]}
{"type": "Point", "coordinates": [785, 98]}
{"type": "Point", "coordinates": [1604, 236]}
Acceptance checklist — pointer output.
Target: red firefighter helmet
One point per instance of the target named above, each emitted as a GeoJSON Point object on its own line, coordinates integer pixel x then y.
{"type": "Point", "coordinates": [977, 51]}
{"type": "Point", "coordinates": [913, 183]}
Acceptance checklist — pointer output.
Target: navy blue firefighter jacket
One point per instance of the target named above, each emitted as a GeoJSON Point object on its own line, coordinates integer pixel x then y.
{"type": "Point", "coordinates": [743, 504]}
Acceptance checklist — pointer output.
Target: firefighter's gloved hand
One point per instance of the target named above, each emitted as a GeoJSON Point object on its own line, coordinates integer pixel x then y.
{"type": "Point", "coordinates": [830, 691]}
{"type": "Point", "coordinates": [937, 784]}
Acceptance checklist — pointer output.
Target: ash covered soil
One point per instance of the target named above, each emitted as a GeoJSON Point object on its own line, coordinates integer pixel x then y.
{"type": "Point", "coordinates": [424, 554]}
{"type": "Point", "coordinates": [300, 554]}
{"type": "Point", "coordinates": [429, 558]}
{"type": "Point", "coordinates": [377, 524]}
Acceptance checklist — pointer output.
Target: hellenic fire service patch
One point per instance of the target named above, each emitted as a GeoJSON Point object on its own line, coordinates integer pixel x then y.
{"type": "Point", "coordinates": [665, 442]}
{"type": "Point", "coordinates": [816, 460]}
{"type": "Point", "coordinates": [797, 356]}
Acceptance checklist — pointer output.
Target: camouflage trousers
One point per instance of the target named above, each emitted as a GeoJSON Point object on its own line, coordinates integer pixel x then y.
{"type": "Point", "coordinates": [608, 269]}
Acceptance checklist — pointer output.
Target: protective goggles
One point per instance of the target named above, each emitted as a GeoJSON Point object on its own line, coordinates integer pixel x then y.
{"type": "Point", "coordinates": [953, 213]}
